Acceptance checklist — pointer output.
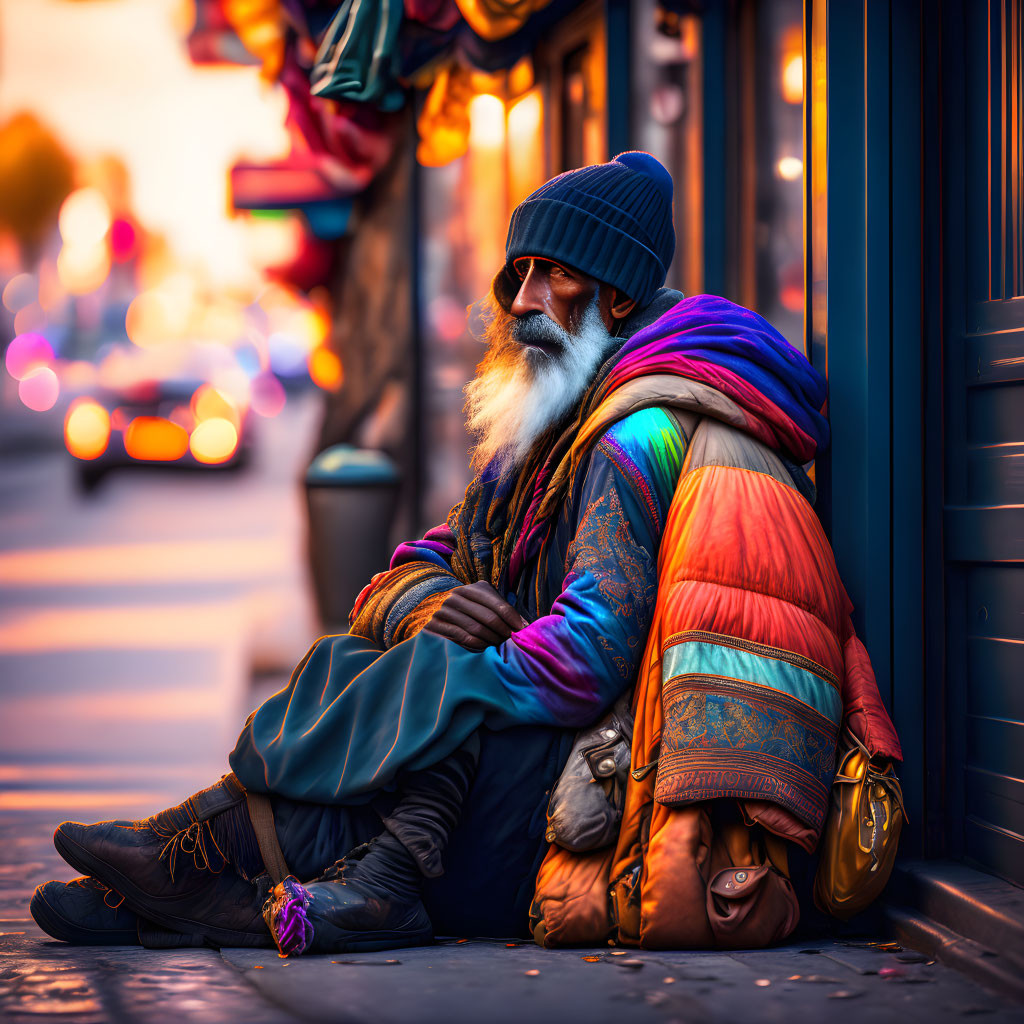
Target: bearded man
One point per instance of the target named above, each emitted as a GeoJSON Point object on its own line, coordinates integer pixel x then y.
{"type": "Point", "coordinates": [421, 747]}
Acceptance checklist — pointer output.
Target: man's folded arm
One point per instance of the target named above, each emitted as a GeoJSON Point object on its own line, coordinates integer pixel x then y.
{"type": "Point", "coordinates": [567, 667]}
{"type": "Point", "coordinates": [398, 602]}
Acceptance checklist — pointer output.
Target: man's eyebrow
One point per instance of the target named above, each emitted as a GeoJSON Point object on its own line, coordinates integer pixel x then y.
{"type": "Point", "coordinates": [539, 259]}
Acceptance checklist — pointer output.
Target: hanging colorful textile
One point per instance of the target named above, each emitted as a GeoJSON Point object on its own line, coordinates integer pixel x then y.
{"type": "Point", "coordinates": [212, 39]}
{"type": "Point", "coordinates": [348, 142]}
{"type": "Point", "coordinates": [358, 58]}
{"type": "Point", "coordinates": [443, 123]}
{"type": "Point", "coordinates": [260, 25]}
{"type": "Point", "coordinates": [496, 19]}
{"type": "Point", "coordinates": [437, 14]}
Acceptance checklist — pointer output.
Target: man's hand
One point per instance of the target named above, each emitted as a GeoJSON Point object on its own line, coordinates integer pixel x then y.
{"type": "Point", "coordinates": [475, 616]}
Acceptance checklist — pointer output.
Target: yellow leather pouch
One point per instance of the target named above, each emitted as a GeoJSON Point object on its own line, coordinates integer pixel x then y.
{"type": "Point", "coordinates": [861, 834]}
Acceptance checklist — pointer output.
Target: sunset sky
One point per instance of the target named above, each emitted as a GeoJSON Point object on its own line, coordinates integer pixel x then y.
{"type": "Point", "coordinates": [113, 76]}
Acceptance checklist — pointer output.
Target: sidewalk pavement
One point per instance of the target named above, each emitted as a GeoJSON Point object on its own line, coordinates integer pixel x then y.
{"type": "Point", "coordinates": [457, 981]}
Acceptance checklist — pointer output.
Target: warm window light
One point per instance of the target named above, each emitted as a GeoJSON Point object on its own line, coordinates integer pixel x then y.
{"type": "Point", "coordinates": [524, 120]}
{"type": "Point", "coordinates": [790, 168]}
{"type": "Point", "coordinates": [86, 429]}
{"type": "Point", "coordinates": [486, 121]}
{"type": "Point", "coordinates": [525, 151]}
{"type": "Point", "coordinates": [154, 439]}
{"type": "Point", "coordinates": [793, 65]}
{"type": "Point", "coordinates": [793, 80]}
{"type": "Point", "coordinates": [214, 441]}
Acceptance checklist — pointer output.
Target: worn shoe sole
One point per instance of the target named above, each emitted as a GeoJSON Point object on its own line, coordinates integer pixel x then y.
{"type": "Point", "coordinates": [59, 927]}
{"type": "Point", "coordinates": [145, 906]}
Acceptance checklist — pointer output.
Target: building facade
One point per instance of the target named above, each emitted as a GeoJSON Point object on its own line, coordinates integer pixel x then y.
{"type": "Point", "coordinates": [853, 171]}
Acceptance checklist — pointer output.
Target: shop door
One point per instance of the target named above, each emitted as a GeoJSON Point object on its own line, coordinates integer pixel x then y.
{"type": "Point", "coordinates": [983, 294]}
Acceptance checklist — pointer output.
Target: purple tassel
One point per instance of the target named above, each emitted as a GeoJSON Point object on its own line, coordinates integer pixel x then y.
{"type": "Point", "coordinates": [289, 924]}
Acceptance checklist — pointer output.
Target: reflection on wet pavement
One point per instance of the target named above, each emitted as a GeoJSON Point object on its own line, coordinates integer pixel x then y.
{"type": "Point", "coordinates": [131, 622]}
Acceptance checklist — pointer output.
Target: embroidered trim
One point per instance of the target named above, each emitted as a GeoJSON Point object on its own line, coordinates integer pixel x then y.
{"type": "Point", "coordinates": [690, 776]}
{"type": "Point", "coordinates": [760, 693]}
{"type": "Point", "coordinates": [637, 481]}
{"type": "Point", "coordinates": [763, 650]}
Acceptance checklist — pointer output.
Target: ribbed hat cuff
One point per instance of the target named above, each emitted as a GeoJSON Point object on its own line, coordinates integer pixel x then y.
{"type": "Point", "coordinates": [559, 231]}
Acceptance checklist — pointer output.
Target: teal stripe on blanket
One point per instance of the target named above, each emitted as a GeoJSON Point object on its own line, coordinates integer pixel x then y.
{"type": "Point", "coordinates": [692, 657]}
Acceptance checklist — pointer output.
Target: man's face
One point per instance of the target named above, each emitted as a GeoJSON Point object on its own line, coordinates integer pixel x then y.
{"type": "Point", "coordinates": [543, 351]}
{"type": "Point", "coordinates": [542, 355]}
{"type": "Point", "coordinates": [554, 290]}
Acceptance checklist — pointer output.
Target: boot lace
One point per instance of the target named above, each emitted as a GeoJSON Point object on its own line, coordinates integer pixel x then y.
{"type": "Point", "coordinates": [194, 841]}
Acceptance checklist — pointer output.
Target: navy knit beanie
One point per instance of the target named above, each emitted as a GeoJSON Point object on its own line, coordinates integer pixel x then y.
{"type": "Point", "coordinates": [612, 221]}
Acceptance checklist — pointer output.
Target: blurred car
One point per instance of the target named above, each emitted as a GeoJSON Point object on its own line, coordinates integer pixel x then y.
{"type": "Point", "coordinates": [179, 423]}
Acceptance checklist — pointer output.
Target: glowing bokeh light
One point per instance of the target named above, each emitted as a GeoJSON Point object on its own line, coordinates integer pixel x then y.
{"type": "Point", "coordinates": [20, 291]}
{"type": "Point", "coordinates": [524, 119]}
{"type": "Point", "coordinates": [325, 369]}
{"type": "Point", "coordinates": [83, 268]}
{"type": "Point", "coordinates": [210, 403]}
{"type": "Point", "coordinates": [39, 389]}
{"type": "Point", "coordinates": [84, 218]}
{"type": "Point", "coordinates": [793, 79]}
{"type": "Point", "coordinates": [155, 439]}
{"type": "Point", "coordinates": [29, 318]}
{"type": "Point", "coordinates": [310, 327]}
{"type": "Point", "coordinates": [268, 396]}
{"type": "Point", "coordinates": [148, 321]}
{"type": "Point", "coordinates": [86, 429]}
{"type": "Point", "coordinates": [122, 240]}
{"type": "Point", "coordinates": [790, 168]}
{"type": "Point", "coordinates": [214, 441]}
{"type": "Point", "coordinates": [486, 121]}
{"type": "Point", "coordinates": [27, 352]}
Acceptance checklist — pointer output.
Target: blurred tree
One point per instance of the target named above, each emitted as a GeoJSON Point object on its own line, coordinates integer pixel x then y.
{"type": "Point", "coordinates": [36, 174]}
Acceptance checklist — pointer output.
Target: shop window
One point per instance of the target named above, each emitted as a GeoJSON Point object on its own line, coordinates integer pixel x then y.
{"type": "Point", "coordinates": [667, 111]}
{"type": "Point", "coordinates": [778, 148]}
{"type": "Point", "coordinates": [717, 95]}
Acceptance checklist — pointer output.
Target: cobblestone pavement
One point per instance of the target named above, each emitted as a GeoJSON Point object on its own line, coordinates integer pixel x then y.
{"type": "Point", "coordinates": [456, 982]}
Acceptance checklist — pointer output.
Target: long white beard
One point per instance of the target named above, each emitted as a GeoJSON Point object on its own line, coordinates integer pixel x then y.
{"type": "Point", "coordinates": [521, 392]}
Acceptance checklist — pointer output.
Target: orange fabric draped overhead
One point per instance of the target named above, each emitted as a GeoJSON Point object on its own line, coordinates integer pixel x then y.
{"type": "Point", "coordinates": [260, 25]}
{"type": "Point", "coordinates": [496, 19]}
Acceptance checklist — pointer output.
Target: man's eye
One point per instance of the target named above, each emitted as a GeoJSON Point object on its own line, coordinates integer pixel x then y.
{"type": "Point", "coordinates": [556, 271]}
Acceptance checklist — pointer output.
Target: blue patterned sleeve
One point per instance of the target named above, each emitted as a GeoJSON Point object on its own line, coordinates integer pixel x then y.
{"type": "Point", "coordinates": [568, 666]}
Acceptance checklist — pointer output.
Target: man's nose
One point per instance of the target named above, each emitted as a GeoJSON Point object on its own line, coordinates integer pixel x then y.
{"type": "Point", "coordinates": [532, 296]}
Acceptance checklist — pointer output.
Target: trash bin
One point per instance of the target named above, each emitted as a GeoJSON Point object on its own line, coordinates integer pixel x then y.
{"type": "Point", "coordinates": [351, 497]}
